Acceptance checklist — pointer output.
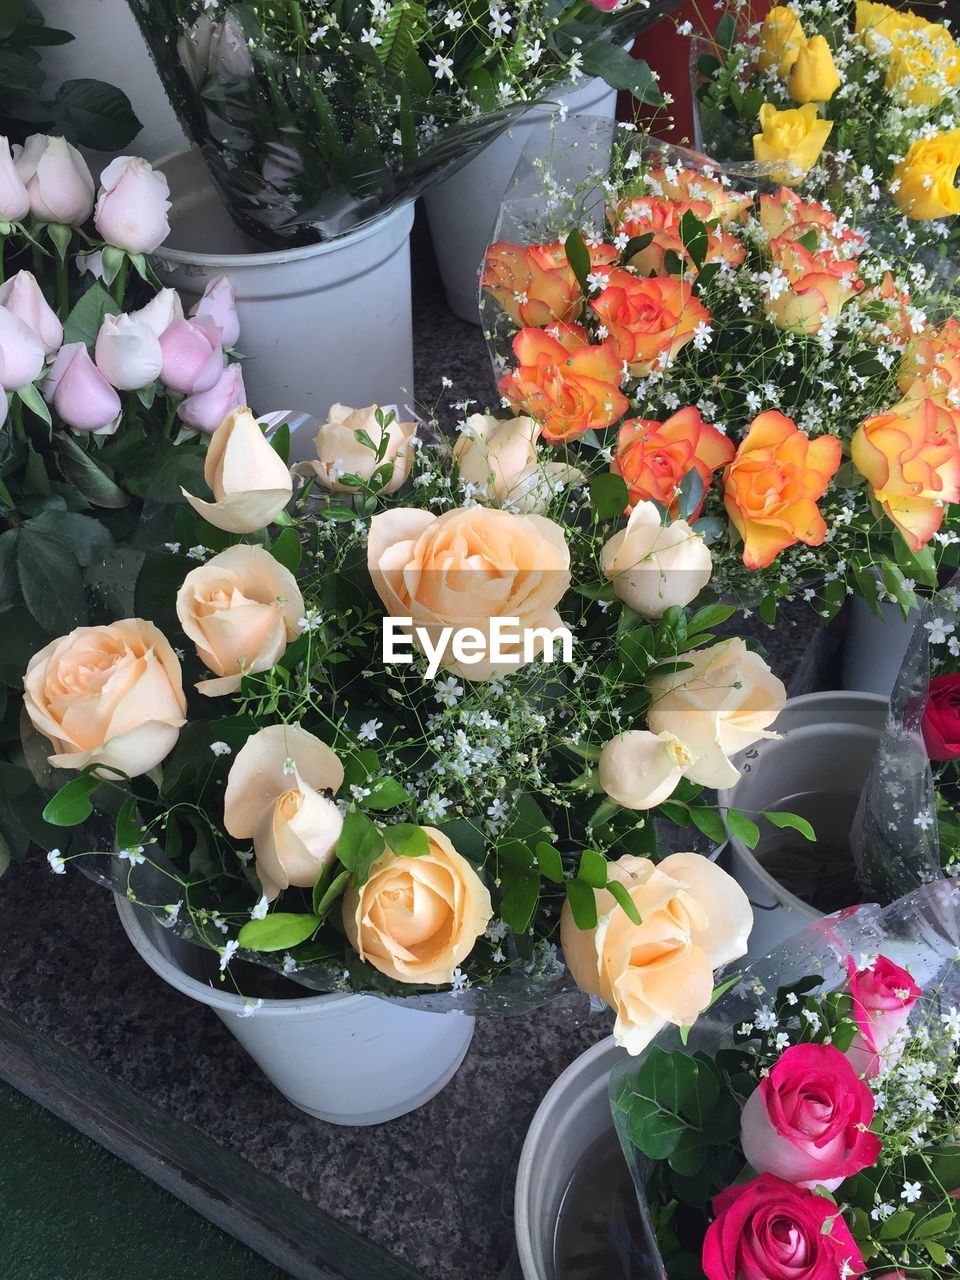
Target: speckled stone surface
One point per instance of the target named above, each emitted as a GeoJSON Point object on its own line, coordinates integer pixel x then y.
{"type": "Point", "coordinates": [432, 1189]}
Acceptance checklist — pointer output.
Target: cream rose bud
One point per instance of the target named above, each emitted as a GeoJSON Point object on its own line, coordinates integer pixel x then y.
{"type": "Point", "coordinates": [23, 296]}
{"type": "Point", "coordinates": [279, 794]}
{"type": "Point", "coordinates": [241, 609]}
{"type": "Point", "coordinates": [161, 311]}
{"type": "Point", "coordinates": [340, 453]}
{"type": "Point", "coordinates": [417, 919]}
{"type": "Point", "coordinates": [14, 200]}
{"type": "Point", "coordinates": [501, 460]}
{"type": "Point", "coordinates": [21, 352]}
{"type": "Point", "coordinates": [640, 770]}
{"type": "Point", "coordinates": [109, 696]}
{"type": "Point", "coordinates": [132, 206]}
{"type": "Point", "coordinates": [724, 701]}
{"type": "Point", "coordinates": [249, 481]}
{"type": "Point", "coordinates": [57, 180]}
{"type": "Point", "coordinates": [694, 918]}
{"type": "Point", "coordinates": [128, 352]}
{"type": "Point", "coordinates": [653, 566]}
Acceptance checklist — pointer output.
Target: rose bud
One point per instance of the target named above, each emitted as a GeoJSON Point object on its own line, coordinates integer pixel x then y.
{"type": "Point", "coordinates": [249, 480]}
{"type": "Point", "coordinates": [207, 409]}
{"type": "Point", "coordinates": [639, 769]}
{"type": "Point", "coordinates": [340, 453]}
{"type": "Point", "coordinates": [219, 303]}
{"type": "Point", "coordinates": [654, 566]}
{"type": "Point", "coordinates": [79, 392]}
{"type": "Point", "coordinates": [883, 996]}
{"type": "Point", "coordinates": [192, 355]}
{"type": "Point", "coordinates": [14, 200]}
{"type": "Point", "coordinates": [132, 206]}
{"type": "Point", "coordinates": [128, 352]}
{"type": "Point", "coordinates": [21, 352]}
{"type": "Point", "coordinates": [57, 179]}
{"type": "Point", "coordinates": [23, 296]}
{"type": "Point", "coordinates": [940, 723]}
{"type": "Point", "coordinates": [808, 1119]}
{"type": "Point", "coordinates": [161, 311]}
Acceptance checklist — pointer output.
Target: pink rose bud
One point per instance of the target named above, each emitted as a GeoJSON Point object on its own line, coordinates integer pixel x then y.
{"type": "Point", "coordinates": [883, 996]}
{"type": "Point", "coordinates": [219, 303]}
{"type": "Point", "coordinates": [605, 5]}
{"type": "Point", "coordinates": [132, 205]}
{"type": "Point", "coordinates": [161, 311]}
{"type": "Point", "coordinates": [79, 392]}
{"type": "Point", "coordinates": [57, 179]}
{"type": "Point", "coordinates": [208, 409]}
{"type": "Point", "coordinates": [128, 352]}
{"type": "Point", "coordinates": [192, 355]}
{"type": "Point", "coordinates": [808, 1120]}
{"type": "Point", "coordinates": [23, 296]}
{"type": "Point", "coordinates": [14, 200]}
{"type": "Point", "coordinates": [21, 352]}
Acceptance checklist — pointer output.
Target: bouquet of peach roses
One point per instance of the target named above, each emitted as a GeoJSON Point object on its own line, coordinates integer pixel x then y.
{"type": "Point", "coordinates": [742, 360]}
{"type": "Point", "coordinates": [373, 780]}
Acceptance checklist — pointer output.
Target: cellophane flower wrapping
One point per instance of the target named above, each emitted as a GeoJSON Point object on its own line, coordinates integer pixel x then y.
{"type": "Point", "coordinates": [920, 931]}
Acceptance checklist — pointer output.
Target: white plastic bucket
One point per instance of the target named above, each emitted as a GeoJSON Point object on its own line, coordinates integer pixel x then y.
{"type": "Point", "coordinates": [326, 323]}
{"type": "Point", "coordinates": [827, 743]}
{"type": "Point", "coordinates": [346, 1059]}
{"type": "Point", "coordinates": [463, 210]}
{"type": "Point", "coordinates": [874, 647]}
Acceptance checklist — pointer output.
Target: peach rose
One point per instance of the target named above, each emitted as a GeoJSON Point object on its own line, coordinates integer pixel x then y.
{"type": "Point", "coordinates": [660, 218]}
{"type": "Point", "coordinates": [726, 700]}
{"type": "Point", "coordinates": [639, 770]}
{"type": "Point", "coordinates": [771, 488]}
{"type": "Point", "coordinates": [790, 141]}
{"type": "Point", "coordinates": [535, 284]}
{"type": "Point", "coordinates": [785, 216]}
{"type": "Point", "coordinates": [648, 320]}
{"type": "Point", "coordinates": [249, 480]}
{"type": "Point", "coordinates": [654, 566]}
{"type": "Point", "coordinates": [417, 919]}
{"type": "Point", "coordinates": [653, 457]}
{"type": "Point", "coordinates": [241, 609]}
{"type": "Point", "coordinates": [910, 456]}
{"type": "Point", "coordinates": [819, 285]}
{"type": "Point", "coordinates": [694, 918]}
{"type": "Point", "coordinates": [467, 567]}
{"type": "Point", "coordinates": [930, 364]}
{"type": "Point", "coordinates": [684, 185]}
{"type": "Point", "coordinates": [279, 794]}
{"type": "Point", "coordinates": [109, 696]}
{"type": "Point", "coordinates": [500, 459]}
{"type": "Point", "coordinates": [567, 383]}
{"type": "Point", "coordinates": [340, 453]}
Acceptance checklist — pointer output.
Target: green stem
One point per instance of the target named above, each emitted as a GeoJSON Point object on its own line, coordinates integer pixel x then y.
{"type": "Point", "coordinates": [2, 275]}
{"type": "Point", "coordinates": [120, 283]}
{"type": "Point", "coordinates": [16, 419]}
{"type": "Point", "coordinates": [63, 287]}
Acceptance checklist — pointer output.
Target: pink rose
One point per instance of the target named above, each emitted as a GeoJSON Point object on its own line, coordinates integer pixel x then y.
{"type": "Point", "coordinates": [206, 410]}
{"type": "Point", "coordinates": [807, 1120]}
{"type": "Point", "coordinates": [57, 180]}
{"type": "Point", "coordinates": [768, 1229]}
{"type": "Point", "coordinates": [79, 392]}
{"type": "Point", "coordinates": [21, 352]}
{"type": "Point", "coordinates": [23, 296]}
{"type": "Point", "coordinates": [128, 352]}
{"type": "Point", "coordinates": [604, 5]}
{"type": "Point", "coordinates": [132, 205]}
{"type": "Point", "coordinates": [161, 311]}
{"type": "Point", "coordinates": [14, 200]}
{"type": "Point", "coordinates": [219, 303]}
{"type": "Point", "coordinates": [883, 997]}
{"type": "Point", "coordinates": [192, 355]}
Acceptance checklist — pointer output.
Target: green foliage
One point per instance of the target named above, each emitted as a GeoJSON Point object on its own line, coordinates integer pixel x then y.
{"type": "Point", "coordinates": [278, 931]}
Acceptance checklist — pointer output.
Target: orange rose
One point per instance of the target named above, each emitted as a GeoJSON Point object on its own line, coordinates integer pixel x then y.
{"type": "Point", "coordinates": [726, 206]}
{"type": "Point", "coordinates": [566, 383]}
{"type": "Point", "coordinates": [653, 457]}
{"type": "Point", "coordinates": [648, 320]}
{"type": "Point", "coordinates": [930, 365]}
{"type": "Point", "coordinates": [649, 215]}
{"type": "Point", "coordinates": [535, 285]}
{"type": "Point", "coordinates": [910, 456]}
{"type": "Point", "coordinates": [819, 284]}
{"type": "Point", "coordinates": [771, 487]}
{"type": "Point", "coordinates": [785, 216]}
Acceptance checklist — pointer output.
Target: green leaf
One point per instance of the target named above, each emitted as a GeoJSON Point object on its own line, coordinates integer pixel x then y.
{"type": "Point", "coordinates": [35, 402]}
{"type": "Point", "coordinates": [334, 890]}
{"type": "Point", "coordinates": [19, 70]}
{"type": "Point", "coordinates": [793, 821]}
{"type": "Point", "coordinates": [593, 869]}
{"type": "Point", "coordinates": [278, 931]}
{"type": "Point", "coordinates": [710, 616]}
{"type": "Point", "coordinates": [280, 441]}
{"type": "Point", "coordinates": [90, 113]}
{"type": "Point", "coordinates": [407, 840]}
{"type": "Point", "coordinates": [693, 234]}
{"type": "Point", "coordinates": [579, 258]}
{"type": "Point", "coordinates": [71, 805]}
{"type": "Point", "coordinates": [287, 549]}
{"type": "Point", "coordinates": [520, 900]}
{"type": "Point", "coordinates": [614, 64]}
{"type": "Point", "coordinates": [80, 470]}
{"type": "Point", "coordinates": [622, 894]}
{"type": "Point", "coordinates": [400, 33]}
{"type": "Point", "coordinates": [743, 828]}
{"type": "Point", "coordinates": [128, 831]}
{"type": "Point", "coordinates": [84, 321]}
{"type": "Point", "coordinates": [50, 577]}
{"type": "Point", "coordinates": [609, 495]}
{"type": "Point", "coordinates": [386, 793]}
{"type": "Point", "coordinates": [359, 846]}
{"type": "Point", "coordinates": [710, 823]}
{"type": "Point", "coordinates": [727, 31]}
{"type": "Point", "coordinates": [549, 862]}
{"type": "Point", "coordinates": [897, 1225]}
{"type": "Point", "coordinates": [691, 491]}
{"type": "Point", "coordinates": [583, 904]}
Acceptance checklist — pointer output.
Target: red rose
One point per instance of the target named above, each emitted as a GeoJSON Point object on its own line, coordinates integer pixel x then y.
{"type": "Point", "coordinates": [941, 718]}
{"type": "Point", "coordinates": [807, 1121]}
{"type": "Point", "coordinates": [768, 1229]}
{"type": "Point", "coordinates": [883, 996]}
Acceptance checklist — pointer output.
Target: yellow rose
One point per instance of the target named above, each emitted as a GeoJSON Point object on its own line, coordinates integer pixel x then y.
{"type": "Point", "coordinates": [417, 919]}
{"type": "Point", "coordinates": [694, 918]}
{"type": "Point", "coordinates": [652, 565]}
{"type": "Point", "coordinates": [465, 569]}
{"type": "Point", "coordinates": [924, 67]}
{"type": "Point", "coordinates": [814, 76]}
{"type": "Point", "coordinates": [923, 182]}
{"type": "Point", "coordinates": [109, 696]}
{"type": "Point", "coordinates": [340, 453]}
{"type": "Point", "coordinates": [724, 701]}
{"type": "Point", "coordinates": [781, 38]}
{"type": "Point", "coordinates": [500, 458]}
{"type": "Point", "coordinates": [639, 769]}
{"type": "Point", "coordinates": [241, 609]}
{"type": "Point", "coordinates": [249, 480]}
{"type": "Point", "coordinates": [792, 140]}
{"type": "Point", "coordinates": [881, 27]}
{"type": "Point", "coordinates": [279, 794]}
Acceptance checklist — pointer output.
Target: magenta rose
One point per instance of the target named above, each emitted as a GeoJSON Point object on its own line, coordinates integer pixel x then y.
{"type": "Point", "coordinates": [769, 1229]}
{"type": "Point", "coordinates": [883, 997]}
{"type": "Point", "coordinates": [941, 718]}
{"type": "Point", "coordinates": [807, 1120]}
